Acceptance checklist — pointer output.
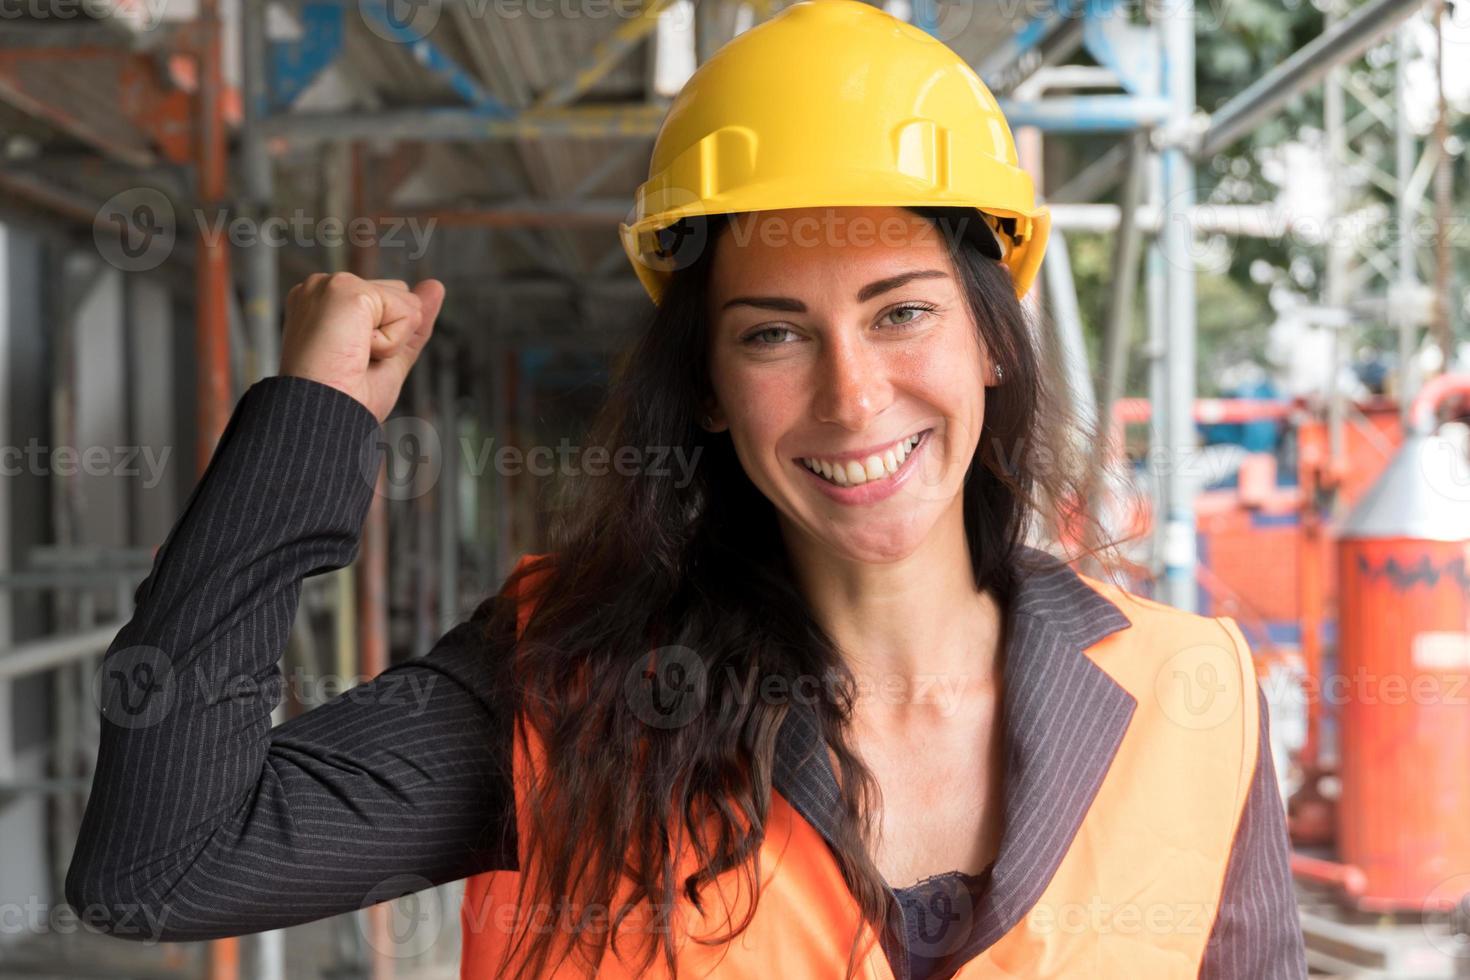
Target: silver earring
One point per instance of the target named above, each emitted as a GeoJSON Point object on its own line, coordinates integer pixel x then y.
{"type": "Point", "coordinates": [999, 374]}
{"type": "Point", "coordinates": [709, 423]}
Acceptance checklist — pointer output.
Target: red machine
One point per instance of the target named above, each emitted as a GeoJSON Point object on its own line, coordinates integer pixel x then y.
{"type": "Point", "coordinates": [1402, 691]}
{"type": "Point", "coordinates": [1372, 612]}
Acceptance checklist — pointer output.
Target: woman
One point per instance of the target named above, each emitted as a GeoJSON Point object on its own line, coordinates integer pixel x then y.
{"type": "Point", "coordinates": [821, 712]}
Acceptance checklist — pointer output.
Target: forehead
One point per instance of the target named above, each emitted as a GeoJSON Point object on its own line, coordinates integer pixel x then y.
{"type": "Point", "coordinates": [826, 247]}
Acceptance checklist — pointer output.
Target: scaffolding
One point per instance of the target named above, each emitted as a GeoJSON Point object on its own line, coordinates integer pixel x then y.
{"type": "Point", "coordinates": [536, 133]}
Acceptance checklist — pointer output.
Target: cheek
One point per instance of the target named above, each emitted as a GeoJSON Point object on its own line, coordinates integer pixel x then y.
{"type": "Point", "coordinates": [759, 403]}
{"type": "Point", "coordinates": [949, 374]}
{"type": "Point", "coordinates": [769, 406]}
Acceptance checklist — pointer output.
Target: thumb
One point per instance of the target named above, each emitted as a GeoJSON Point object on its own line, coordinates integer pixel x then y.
{"type": "Point", "coordinates": [394, 370]}
{"type": "Point", "coordinates": [431, 291]}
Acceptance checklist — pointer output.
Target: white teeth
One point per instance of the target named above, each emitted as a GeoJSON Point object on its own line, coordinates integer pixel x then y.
{"type": "Point", "coordinates": [856, 473]}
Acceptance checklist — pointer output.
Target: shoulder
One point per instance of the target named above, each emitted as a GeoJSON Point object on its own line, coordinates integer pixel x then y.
{"type": "Point", "coordinates": [1198, 701]}
{"type": "Point", "coordinates": [1193, 676]}
{"type": "Point", "coordinates": [1158, 630]}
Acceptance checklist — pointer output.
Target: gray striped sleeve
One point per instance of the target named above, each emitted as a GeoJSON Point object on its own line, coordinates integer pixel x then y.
{"type": "Point", "coordinates": [203, 821]}
{"type": "Point", "coordinates": [1257, 933]}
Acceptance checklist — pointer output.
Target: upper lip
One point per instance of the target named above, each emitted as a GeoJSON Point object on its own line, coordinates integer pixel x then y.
{"type": "Point", "coordinates": [859, 455]}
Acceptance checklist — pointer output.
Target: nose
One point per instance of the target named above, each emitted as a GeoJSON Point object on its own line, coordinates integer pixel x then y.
{"type": "Point", "coordinates": [852, 384]}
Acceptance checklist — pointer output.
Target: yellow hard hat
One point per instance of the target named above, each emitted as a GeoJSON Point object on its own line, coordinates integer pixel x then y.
{"type": "Point", "coordinates": [833, 103]}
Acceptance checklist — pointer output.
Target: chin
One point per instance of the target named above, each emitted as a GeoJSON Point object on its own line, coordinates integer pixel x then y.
{"type": "Point", "coordinates": [876, 543]}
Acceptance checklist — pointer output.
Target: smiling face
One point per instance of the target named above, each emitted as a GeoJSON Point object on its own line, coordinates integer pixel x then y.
{"type": "Point", "coordinates": [846, 365]}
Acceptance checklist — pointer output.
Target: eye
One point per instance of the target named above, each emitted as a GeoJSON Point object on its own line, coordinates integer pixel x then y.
{"type": "Point", "coordinates": [917, 309]}
{"type": "Point", "coordinates": [760, 338]}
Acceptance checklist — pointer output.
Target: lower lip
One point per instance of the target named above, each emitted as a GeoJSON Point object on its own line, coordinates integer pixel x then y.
{"type": "Point", "coordinates": [874, 490]}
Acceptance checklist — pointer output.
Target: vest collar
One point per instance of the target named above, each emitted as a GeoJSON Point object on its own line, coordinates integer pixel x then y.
{"type": "Point", "coordinates": [1064, 719]}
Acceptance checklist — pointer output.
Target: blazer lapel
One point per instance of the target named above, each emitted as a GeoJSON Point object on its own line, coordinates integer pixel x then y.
{"type": "Point", "coordinates": [1064, 719]}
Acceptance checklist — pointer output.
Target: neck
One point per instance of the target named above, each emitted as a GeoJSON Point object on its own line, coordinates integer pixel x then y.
{"type": "Point", "coordinates": [916, 632]}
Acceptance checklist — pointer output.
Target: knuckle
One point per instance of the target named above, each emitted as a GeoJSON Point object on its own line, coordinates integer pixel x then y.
{"type": "Point", "coordinates": [343, 282]}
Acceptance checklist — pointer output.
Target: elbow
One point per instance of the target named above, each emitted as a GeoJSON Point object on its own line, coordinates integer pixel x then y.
{"type": "Point", "coordinates": [106, 903]}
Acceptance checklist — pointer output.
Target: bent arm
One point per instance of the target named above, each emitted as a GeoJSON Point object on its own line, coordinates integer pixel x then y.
{"type": "Point", "coordinates": [205, 822]}
{"type": "Point", "coordinates": [1258, 932]}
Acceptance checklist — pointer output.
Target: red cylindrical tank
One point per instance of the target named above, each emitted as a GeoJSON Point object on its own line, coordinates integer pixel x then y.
{"type": "Point", "coordinates": [1402, 685]}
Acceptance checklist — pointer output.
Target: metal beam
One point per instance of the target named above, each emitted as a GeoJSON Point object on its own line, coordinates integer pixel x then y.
{"type": "Point", "coordinates": [434, 60]}
{"type": "Point", "coordinates": [1066, 316]}
{"type": "Point", "coordinates": [1341, 42]}
{"type": "Point", "coordinates": [1268, 221]}
{"type": "Point", "coordinates": [1046, 39]}
{"type": "Point", "coordinates": [16, 91]}
{"type": "Point", "coordinates": [1094, 180]}
{"type": "Point", "coordinates": [55, 32]}
{"type": "Point", "coordinates": [40, 656]}
{"type": "Point", "coordinates": [1082, 113]}
{"type": "Point", "coordinates": [1128, 246]}
{"type": "Point", "coordinates": [1086, 113]}
{"type": "Point", "coordinates": [524, 213]}
{"type": "Point", "coordinates": [631, 120]}
{"type": "Point", "coordinates": [295, 63]}
{"type": "Point", "coordinates": [554, 287]}
{"type": "Point", "coordinates": [605, 56]}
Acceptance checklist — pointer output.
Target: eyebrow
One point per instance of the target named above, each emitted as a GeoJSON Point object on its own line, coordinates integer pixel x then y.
{"type": "Point", "coordinates": [786, 304]}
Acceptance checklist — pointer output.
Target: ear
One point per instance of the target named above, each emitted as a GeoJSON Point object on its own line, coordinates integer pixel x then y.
{"type": "Point", "coordinates": [709, 408]}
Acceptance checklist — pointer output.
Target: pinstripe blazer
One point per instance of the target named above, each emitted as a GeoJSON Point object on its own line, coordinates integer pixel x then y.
{"type": "Point", "coordinates": [204, 821]}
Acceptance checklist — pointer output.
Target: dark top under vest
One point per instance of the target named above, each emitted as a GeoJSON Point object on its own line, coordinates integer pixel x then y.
{"type": "Point", "coordinates": [935, 923]}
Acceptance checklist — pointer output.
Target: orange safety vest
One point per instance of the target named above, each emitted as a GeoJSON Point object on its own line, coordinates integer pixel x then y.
{"type": "Point", "coordinates": [1137, 888]}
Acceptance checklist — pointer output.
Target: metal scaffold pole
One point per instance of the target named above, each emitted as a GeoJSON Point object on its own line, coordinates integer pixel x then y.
{"type": "Point", "coordinates": [1408, 275]}
{"type": "Point", "coordinates": [261, 273]}
{"type": "Point", "coordinates": [212, 298]}
{"type": "Point", "coordinates": [1178, 247]}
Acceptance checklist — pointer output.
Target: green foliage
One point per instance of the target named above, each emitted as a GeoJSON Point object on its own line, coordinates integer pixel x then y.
{"type": "Point", "coordinates": [1238, 41]}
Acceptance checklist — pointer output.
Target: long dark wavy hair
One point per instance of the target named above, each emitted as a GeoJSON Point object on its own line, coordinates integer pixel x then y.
{"type": "Point", "coordinates": [639, 566]}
